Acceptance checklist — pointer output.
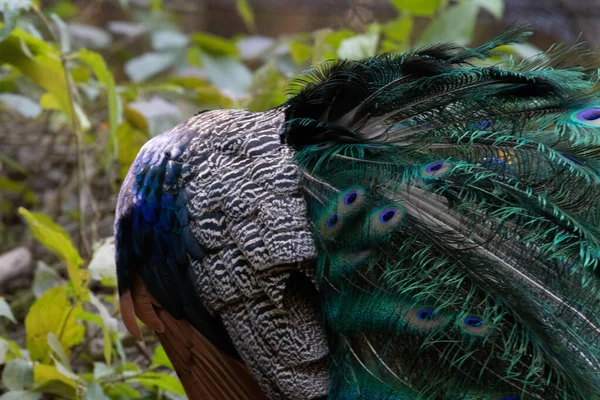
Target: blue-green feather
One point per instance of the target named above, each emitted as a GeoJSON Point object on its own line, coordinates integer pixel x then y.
{"type": "Point", "coordinates": [468, 269]}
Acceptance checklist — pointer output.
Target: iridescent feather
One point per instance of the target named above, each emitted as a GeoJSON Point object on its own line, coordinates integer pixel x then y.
{"type": "Point", "coordinates": [468, 267]}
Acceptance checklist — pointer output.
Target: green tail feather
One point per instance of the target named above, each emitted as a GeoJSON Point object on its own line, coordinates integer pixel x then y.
{"type": "Point", "coordinates": [457, 212]}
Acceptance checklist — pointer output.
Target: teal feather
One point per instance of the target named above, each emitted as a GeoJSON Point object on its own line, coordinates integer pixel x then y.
{"type": "Point", "coordinates": [466, 264]}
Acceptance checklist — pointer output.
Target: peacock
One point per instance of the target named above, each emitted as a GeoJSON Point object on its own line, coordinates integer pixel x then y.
{"type": "Point", "coordinates": [423, 225]}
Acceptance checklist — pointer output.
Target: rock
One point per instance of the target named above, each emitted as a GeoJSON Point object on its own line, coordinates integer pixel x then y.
{"type": "Point", "coordinates": [14, 263]}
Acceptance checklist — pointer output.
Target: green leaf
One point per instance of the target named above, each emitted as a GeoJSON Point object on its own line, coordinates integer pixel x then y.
{"type": "Point", "coordinates": [101, 370]}
{"type": "Point", "coordinates": [21, 395]}
{"type": "Point", "coordinates": [131, 141]}
{"type": "Point", "coordinates": [89, 317]}
{"type": "Point", "coordinates": [40, 62]}
{"type": "Point", "coordinates": [399, 30]}
{"type": "Point", "coordinates": [123, 391]}
{"type": "Point", "coordinates": [10, 16]}
{"type": "Point", "coordinates": [109, 326]}
{"type": "Point", "coordinates": [210, 95]}
{"type": "Point", "coordinates": [227, 73]}
{"type": "Point", "coordinates": [9, 350]}
{"type": "Point", "coordinates": [421, 8]}
{"type": "Point", "coordinates": [44, 278]}
{"type": "Point", "coordinates": [64, 36]}
{"type": "Point", "coordinates": [300, 52]}
{"type": "Point", "coordinates": [168, 39]}
{"type": "Point", "coordinates": [56, 346]}
{"type": "Point", "coordinates": [160, 358]}
{"type": "Point", "coordinates": [156, 380]}
{"type": "Point", "coordinates": [8, 85]}
{"type": "Point", "coordinates": [147, 65]}
{"type": "Point", "coordinates": [214, 45]}
{"type": "Point", "coordinates": [95, 392]}
{"type": "Point", "coordinates": [63, 323]}
{"type": "Point", "coordinates": [5, 310]}
{"type": "Point", "coordinates": [360, 46]}
{"type": "Point", "coordinates": [267, 89]}
{"type": "Point", "coordinates": [89, 36]}
{"type": "Point", "coordinates": [245, 11]}
{"type": "Point", "coordinates": [22, 104]}
{"type": "Point", "coordinates": [97, 64]}
{"type": "Point", "coordinates": [17, 375]}
{"type": "Point", "coordinates": [50, 380]}
{"type": "Point", "coordinates": [495, 7]}
{"type": "Point", "coordinates": [103, 266]}
{"type": "Point", "coordinates": [58, 241]}
{"type": "Point", "coordinates": [454, 25]}
{"type": "Point", "coordinates": [80, 74]}
{"type": "Point", "coordinates": [320, 47]}
{"type": "Point", "coordinates": [65, 9]}
{"type": "Point", "coordinates": [49, 102]}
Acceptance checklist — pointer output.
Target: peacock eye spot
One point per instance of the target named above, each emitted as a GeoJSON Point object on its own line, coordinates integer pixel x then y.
{"type": "Point", "coordinates": [426, 315]}
{"type": "Point", "coordinates": [350, 198]}
{"type": "Point", "coordinates": [387, 215]}
{"type": "Point", "coordinates": [435, 167]}
{"type": "Point", "coordinates": [591, 114]}
{"type": "Point", "coordinates": [332, 220]}
{"type": "Point", "coordinates": [485, 124]}
{"type": "Point", "coordinates": [511, 397]}
{"type": "Point", "coordinates": [473, 322]}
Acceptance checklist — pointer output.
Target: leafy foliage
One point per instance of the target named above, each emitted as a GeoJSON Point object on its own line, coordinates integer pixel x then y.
{"type": "Point", "coordinates": [102, 98]}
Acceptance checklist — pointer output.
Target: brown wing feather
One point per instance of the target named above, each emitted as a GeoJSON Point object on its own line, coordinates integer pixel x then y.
{"type": "Point", "coordinates": [206, 373]}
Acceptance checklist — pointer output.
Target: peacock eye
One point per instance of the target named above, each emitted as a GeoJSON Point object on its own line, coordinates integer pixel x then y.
{"type": "Point", "coordinates": [435, 167]}
{"type": "Point", "coordinates": [591, 114]}
{"type": "Point", "coordinates": [351, 201]}
{"type": "Point", "coordinates": [484, 125]}
{"type": "Point", "coordinates": [588, 117]}
{"type": "Point", "coordinates": [332, 220]}
{"type": "Point", "coordinates": [511, 397]}
{"type": "Point", "coordinates": [387, 215]}
{"type": "Point", "coordinates": [350, 197]}
{"type": "Point", "coordinates": [473, 322]}
{"type": "Point", "coordinates": [426, 315]}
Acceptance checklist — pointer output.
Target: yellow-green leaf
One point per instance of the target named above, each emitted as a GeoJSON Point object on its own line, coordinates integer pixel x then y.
{"type": "Point", "coordinates": [155, 380]}
{"type": "Point", "coordinates": [80, 74]}
{"type": "Point", "coordinates": [97, 64]}
{"type": "Point", "coordinates": [58, 241]}
{"type": "Point", "coordinates": [214, 45]}
{"type": "Point", "coordinates": [210, 95]}
{"type": "Point", "coordinates": [122, 391]}
{"type": "Point", "coordinates": [65, 9]}
{"type": "Point", "coordinates": [49, 380]}
{"type": "Point", "coordinates": [399, 30]}
{"type": "Point", "coordinates": [39, 61]}
{"type": "Point", "coordinates": [5, 310]}
{"type": "Point", "coordinates": [422, 8]}
{"type": "Point", "coordinates": [49, 102]}
{"type": "Point", "coordinates": [300, 52]}
{"type": "Point", "coordinates": [131, 140]}
{"type": "Point", "coordinates": [136, 119]}
{"type": "Point", "coordinates": [9, 350]}
{"type": "Point", "coordinates": [52, 312]}
{"type": "Point", "coordinates": [267, 88]}
{"type": "Point", "coordinates": [245, 11]}
{"type": "Point", "coordinates": [188, 82]}
{"type": "Point", "coordinates": [160, 358]}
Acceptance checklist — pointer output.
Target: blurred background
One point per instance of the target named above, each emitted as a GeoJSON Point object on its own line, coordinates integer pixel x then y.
{"type": "Point", "coordinates": [84, 83]}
